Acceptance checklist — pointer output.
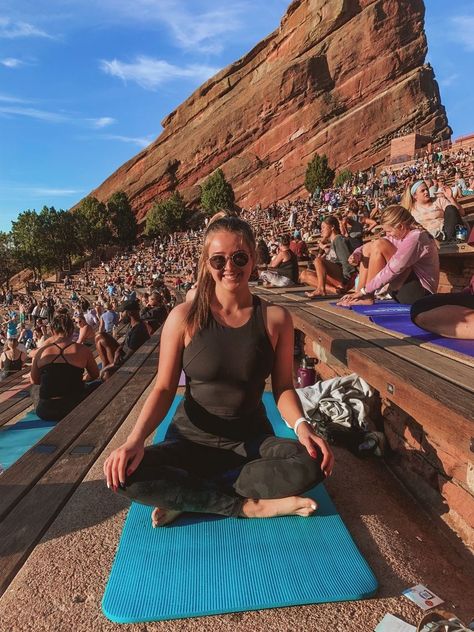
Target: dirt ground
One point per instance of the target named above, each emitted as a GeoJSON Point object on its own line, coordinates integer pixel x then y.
{"type": "Point", "coordinates": [60, 587]}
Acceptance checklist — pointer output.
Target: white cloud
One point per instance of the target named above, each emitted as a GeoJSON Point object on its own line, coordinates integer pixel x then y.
{"type": "Point", "coordinates": [149, 73]}
{"type": "Point", "coordinates": [11, 109]}
{"type": "Point", "coordinates": [449, 80]}
{"type": "Point", "coordinates": [103, 121]}
{"type": "Point", "coordinates": [464, 30]}
{"type": "Point", "coordinates": [134, 140]}
{"type": "Point", "coordinates": [53, 192]}
{"type": "Point", "coordinates": [5, 98]}
{"type": "Point", "coordinates": [42, 115]}
{"type": "Point", "coordinates": [11, 62]}
{"type": "Point", "coordinates": [10, 29]}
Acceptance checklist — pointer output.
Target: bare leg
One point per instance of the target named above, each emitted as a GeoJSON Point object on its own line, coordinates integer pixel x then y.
{"type": "Point", "coordinates": [291, 506]}
{"type": "Point", "coordinates": [450, 321]}
{"type": "Point", "coordinates": [381, 252]}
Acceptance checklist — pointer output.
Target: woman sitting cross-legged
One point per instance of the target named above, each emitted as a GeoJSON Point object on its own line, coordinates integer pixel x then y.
{"type": "Point", "coordinates": [448, 315]}
{"type": "Point", "coordinates": [333, 274]}
{"type": "Point", "coordinates": [220, 454]}
{"type": "Point", "coordinates": [406, 260]}
{"type": "Point", "coordinates": [283, 270]}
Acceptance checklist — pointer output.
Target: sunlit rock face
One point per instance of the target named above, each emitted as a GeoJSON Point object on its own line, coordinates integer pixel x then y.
{"type": "Point", "coordinates": [340, 77]}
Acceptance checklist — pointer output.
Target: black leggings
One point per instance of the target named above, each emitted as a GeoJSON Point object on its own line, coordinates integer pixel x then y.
{"type": "Point", "coordinates": [428, 303]}
{"type": "Point", "coordinates": [452, 218]}
{"type": "Point", "coordinates": [186, 476]}
{"type": "Point", "coordinates": [411, 291]}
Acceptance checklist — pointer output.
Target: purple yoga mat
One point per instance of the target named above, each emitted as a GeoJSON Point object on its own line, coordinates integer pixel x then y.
{"type": "Point", "coordinates": [396, 316]}
{"type": "Point", "coordinates": [382, 308]}
{"type": "Point", "coordinates": [402, 324]}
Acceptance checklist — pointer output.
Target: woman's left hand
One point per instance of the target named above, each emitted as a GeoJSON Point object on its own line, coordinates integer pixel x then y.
{"type": "Point", "coordinates": [348, 299]}
{"type": "Point", "coordinates": [311, 441]}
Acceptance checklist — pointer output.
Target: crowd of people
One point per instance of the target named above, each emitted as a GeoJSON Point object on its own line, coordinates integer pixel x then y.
{"type": "Point", "coordinates": [376, 235]}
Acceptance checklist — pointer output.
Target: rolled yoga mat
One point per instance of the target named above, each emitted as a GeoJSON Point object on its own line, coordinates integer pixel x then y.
{"type": "Point", "coordinates": [202, 564]}
{"type": "Point", "coordinates": [18, 438]}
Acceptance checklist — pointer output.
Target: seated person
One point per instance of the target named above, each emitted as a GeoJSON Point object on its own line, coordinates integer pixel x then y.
{"type": "Point", "coordinates": [299, 247]}
{"type": "Point", "coordinates": [108, 320]}
{"type": "Point", "coordinates": [439, 215]}
{"type": "Point", "coordinates": [406, 260]}
{"type": "Point", "coordinates": [333, 274]}
{"type": "Point", "coordinates": [220, 455]}
{"type": "Point", "coordinates": [283, 270]}
{"type": "Point", "coordinates": [113, 354]}
{"type": "Point", "coordinates": [155, 312]}
{"type": "Point", "coordinates": [448, 315]}
{"type": "Point", "coordinates": [86, 331]}
{"type": "Point", "coordinates": [12, 359]}
{"type": "Point", "coordinates": [57, 372]}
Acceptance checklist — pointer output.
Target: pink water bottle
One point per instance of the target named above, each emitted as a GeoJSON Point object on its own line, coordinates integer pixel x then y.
{"type": "Point", "coordinates": [306, 375]}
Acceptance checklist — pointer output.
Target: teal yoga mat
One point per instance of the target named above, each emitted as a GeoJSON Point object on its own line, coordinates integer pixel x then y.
{"type": "Point", "coordinates": [203, 565]}
{"type": "Point", "coordinates": [18, 438]}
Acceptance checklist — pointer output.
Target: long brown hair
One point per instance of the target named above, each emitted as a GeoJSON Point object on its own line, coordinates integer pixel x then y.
{"type": "Point", "coordinates": [199, 313]}
{"type": "Point", "coordinates": [397, 214]}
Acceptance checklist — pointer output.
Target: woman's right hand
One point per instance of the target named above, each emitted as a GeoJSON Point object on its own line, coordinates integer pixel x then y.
{"type": "Point", "coordinates": [122, 462]}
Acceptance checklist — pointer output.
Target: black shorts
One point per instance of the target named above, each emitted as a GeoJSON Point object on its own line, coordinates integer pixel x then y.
{"type": "Point", "coordinates": [428, 303]}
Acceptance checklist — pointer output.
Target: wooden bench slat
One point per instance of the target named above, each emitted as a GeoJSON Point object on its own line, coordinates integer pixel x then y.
{"type": "Point", "coordinates": [24, 473]}
{"type": "Point", "coordinates": [36, 510]}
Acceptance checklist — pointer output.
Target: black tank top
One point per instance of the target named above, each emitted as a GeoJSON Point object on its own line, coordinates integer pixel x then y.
{"type": "Point", "coordinates": [61, 379]}
{"type": "Point", "coordinates": [11, 366]}
{"type": "Point", "coordinates": [226, 367]}
{"type": "Point", "coordinates": [289, 268]}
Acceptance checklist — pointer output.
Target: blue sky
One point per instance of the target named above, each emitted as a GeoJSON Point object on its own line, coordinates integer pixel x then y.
{"type": "Point", "coordinates": [84, 85]}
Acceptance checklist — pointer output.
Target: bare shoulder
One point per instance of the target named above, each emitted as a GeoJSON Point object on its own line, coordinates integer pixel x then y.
{"type": "Point", "coordinates": [277, 315]}
{"type": "Point", "coordinates": [177, 316]}
{"type": "Point", "coordinates": [277, 319]}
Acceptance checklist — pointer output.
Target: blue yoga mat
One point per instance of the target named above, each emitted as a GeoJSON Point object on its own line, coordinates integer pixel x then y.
{"type": "Point", "coordinates": [382, 308]}
{"type": "Point", "coordinates": [18, 438]}
{"type": "Point", "coordinates": [202, 564]}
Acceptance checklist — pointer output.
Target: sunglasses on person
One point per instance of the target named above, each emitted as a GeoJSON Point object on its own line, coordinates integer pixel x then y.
{"type": "Point", "coordinates": [239, 259]}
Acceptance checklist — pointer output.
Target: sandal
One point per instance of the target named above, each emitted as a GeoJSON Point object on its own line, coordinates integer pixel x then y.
{"type": "Point", "coordinates": [441, 621]}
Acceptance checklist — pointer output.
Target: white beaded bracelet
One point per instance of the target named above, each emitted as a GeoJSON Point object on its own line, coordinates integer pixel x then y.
{"type": "Point", "coordinates": [299, 421]}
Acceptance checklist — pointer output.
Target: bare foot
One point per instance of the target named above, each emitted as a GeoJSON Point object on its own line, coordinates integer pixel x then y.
{"type": "Point", "coordinates": [315, 293]}
{"type": "Point", "coordinates": [160, 517]}
{"type": "Point", "coordinates": [270, 508]}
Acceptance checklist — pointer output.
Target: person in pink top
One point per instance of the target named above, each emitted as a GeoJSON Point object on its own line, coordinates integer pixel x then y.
{"type": "Point", "coordinates": [448, 315]}
{"type": "Point", "coordinates": [405, 260]}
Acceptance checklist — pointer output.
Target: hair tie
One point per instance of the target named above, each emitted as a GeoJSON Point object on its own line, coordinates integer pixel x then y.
{"type": "Point", "coordinates": [416, 186]}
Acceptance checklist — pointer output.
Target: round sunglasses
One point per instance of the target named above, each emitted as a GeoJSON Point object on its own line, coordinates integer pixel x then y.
{"type": "Point", "coordinates": [239, 259]}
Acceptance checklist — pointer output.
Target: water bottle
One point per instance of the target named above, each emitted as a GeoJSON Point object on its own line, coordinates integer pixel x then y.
{"type": "Point", "coordinates": [461, 233]}
{"type": "Point", "coordinates": [306, 375]}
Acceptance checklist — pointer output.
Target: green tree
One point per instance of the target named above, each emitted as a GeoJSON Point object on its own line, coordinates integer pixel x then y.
{"type": "Point", "coordinates": [166, 217]}
{"type": "Point", "coordinates": [123, 221]}
{"type": "Point", "coordinates": [216, 193]}
{"type": "Point", "coordinates": [59, 240]}
{"type": "Point", "coordinates": [342, 177]}
{"type": "Point", "coordinates": [318, 174]}
{"type": "Point", "coordinates": [9, 265]}
{"type": "Point", "coordinates": [28, 241]}
{"type": "Point", "coordinates": [94, 229]}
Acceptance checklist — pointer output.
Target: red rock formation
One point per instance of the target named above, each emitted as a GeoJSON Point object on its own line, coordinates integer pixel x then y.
{"type": "Point", "coordinates": [340, 77]}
